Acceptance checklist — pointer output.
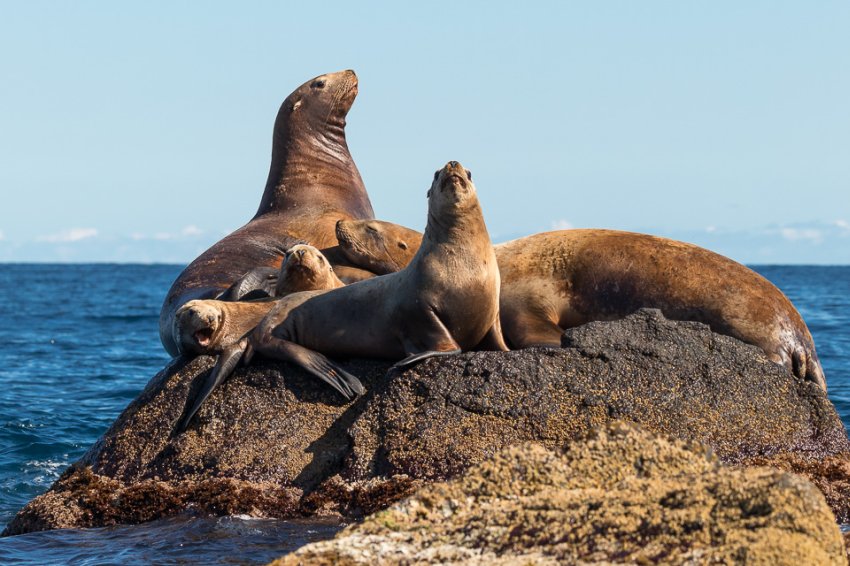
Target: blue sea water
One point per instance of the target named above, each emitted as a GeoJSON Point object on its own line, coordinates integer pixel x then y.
{"type": "Point", "coordinates": [79, 342]}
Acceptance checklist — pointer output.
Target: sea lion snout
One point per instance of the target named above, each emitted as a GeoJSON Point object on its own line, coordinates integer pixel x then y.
{"type": "Point", "coordinates": [302, 254]}
{"type": "Point", "coordinates": [344, 83]}
{"type": "Point", "coordinates": [454, 176]}
{"type": "Point", "coordinates": [343, 232]}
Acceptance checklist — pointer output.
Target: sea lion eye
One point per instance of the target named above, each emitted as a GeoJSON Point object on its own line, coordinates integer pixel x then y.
{"type": "Point", "coordinates": [468, 174]}
{"type": "Point", "coordinates": [319, 83]}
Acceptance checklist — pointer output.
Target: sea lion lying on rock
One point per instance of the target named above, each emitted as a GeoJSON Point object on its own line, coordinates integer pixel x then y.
{"type": "Point", "coordinates": [221, 327]}
{"type": "Point", "coordinates": [557, 280]}
{"type": "Point", "coordinates": [446, 301]}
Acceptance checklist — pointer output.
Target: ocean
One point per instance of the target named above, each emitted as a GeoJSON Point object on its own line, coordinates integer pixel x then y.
{"type": "Point", "coordinates": [81, 341]}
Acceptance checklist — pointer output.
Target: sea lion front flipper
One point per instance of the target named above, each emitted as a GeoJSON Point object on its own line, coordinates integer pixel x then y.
{"type": "Point", "coordinates": [224, 366]}
{"type": "Point", "coordinates": [494, 340]}
{"type": "Point", "coordinates": [432, 340]}
{"type": "Point", "coordinates": [256, 284]}
{"type": "Point", "coordinates": [413, 358]}
{"type": "Point", "coordinates": [313, 362]}
{"type": "Point", "coordinates": [248, 355]}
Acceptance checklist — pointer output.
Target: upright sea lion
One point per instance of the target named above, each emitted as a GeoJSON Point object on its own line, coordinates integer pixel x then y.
{"type": "Point", "coordinates": [444, 302]}
{"type": "Point", "coordinates": [220, 327]}
{"type": "Point", "coordinates": [312, 183]}
{"type": "Point", "coordinates": [557, 280]}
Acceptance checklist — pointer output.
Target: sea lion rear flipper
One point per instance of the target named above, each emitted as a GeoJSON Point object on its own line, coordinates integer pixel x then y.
{"type": "Point", "coordinates": [807, 367]}
{"type": "Point", "coordinates": [256, 284]}
{"type": "Point", "coordinates": [315, 363]}
{"type": "Point", "coordinates": [224, 366]}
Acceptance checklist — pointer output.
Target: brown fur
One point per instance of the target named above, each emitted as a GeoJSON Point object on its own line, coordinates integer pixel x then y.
{"type": "Point", "coordinates": [557, 280]}
{"type": "Point", "coordinates": [225, 323]}
{"type": "Point", "coordinates": [445, 300]}
{"type": "Point", "coordinates": [312, 183]}
{"type": "Point", "coordinates": [305, 269]}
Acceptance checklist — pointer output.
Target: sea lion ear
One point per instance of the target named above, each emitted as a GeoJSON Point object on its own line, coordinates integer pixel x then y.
{"type": "Point", "coordinates": [469, 174]}
{"type": "Point", "coordinates": [428, 194]}
{"type": "Point", "coordinates": [295, 105]}
{"type": "Point", "coordinates": [402, 245]}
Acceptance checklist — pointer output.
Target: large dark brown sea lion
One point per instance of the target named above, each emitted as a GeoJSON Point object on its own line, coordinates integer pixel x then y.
{"type": "Point", "coordinates": [312, 183]}
{"type": "Point", "coordinates": [444, 302]}
{"type": "Point", "coordinates": [557, 280]}
{"type": "Point", "coordinates": [220, 327]}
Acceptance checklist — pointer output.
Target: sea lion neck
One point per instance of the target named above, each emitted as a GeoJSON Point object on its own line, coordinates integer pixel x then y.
{"type": "Point", "coordinates": [454, 224]}
{"type": "Point", "coordinates": [317, 164]}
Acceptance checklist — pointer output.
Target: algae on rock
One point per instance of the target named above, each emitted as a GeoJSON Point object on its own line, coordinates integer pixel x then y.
{"type": "Point", "coordinates": [619, 495]}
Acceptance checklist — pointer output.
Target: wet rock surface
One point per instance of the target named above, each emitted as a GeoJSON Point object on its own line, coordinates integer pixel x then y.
{"type": "Point", "coordinates": [273, 441]}
{"type": "Point", "coordinates": [620, 495]}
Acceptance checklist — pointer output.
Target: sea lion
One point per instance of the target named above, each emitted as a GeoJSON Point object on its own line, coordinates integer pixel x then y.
{"type": "Point", "coordinates": [220, 327]}
{"type": "Point", "coordinates": [557, 280]}
{"type": "Point", "coordinates": [265, 282]}
{"type": "Point", "coordinates": [305, 269]}
{"type": "Point", "coordinates": [312, 183]}
{"type": "Point", "coordinates": [444, 302]}
{"type": "Point", "coordinates": [381, 247]}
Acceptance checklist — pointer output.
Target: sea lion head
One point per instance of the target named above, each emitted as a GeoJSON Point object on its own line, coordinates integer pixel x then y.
{"type": "Point", "coordinates": [451, 189]}
{"type": "Point", "coordinates": [197, 325]}
{"type": "Point", "coordinates": [381, 247]}
{"type": "Point", "coordinates": [304, 268]}
{"type": "Point", "coordinates": [323, 100]}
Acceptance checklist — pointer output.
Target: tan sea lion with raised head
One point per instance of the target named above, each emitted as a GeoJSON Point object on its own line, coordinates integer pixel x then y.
{"type": "Point", "coordinates": [557, 280]}
{"type": "Point", "coordinates": [312, 183]}
{"type": "Point", "coordinates": [445, 301]}
{"type": "Point", "coordinates": [220, 327]}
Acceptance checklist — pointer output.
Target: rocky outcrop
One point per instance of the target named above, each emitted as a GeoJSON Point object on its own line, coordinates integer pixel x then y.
{"type": "Point", "coordinates": [273, 441]}
{"type": "Point", "coordinates": [621, 495]}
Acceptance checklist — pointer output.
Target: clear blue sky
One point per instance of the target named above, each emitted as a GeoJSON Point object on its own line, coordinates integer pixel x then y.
{"type": "Point", "coordinates": [143, 133]}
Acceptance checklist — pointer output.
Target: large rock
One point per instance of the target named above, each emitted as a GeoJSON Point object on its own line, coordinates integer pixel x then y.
{"type": "Point", "coordinates": [621, 495]}
{"type": "Point", "coordinates": [273, 441]}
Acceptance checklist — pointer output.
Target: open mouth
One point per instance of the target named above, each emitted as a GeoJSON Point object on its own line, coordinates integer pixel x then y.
{"type": "Point", "coordinates": [203, 337]}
